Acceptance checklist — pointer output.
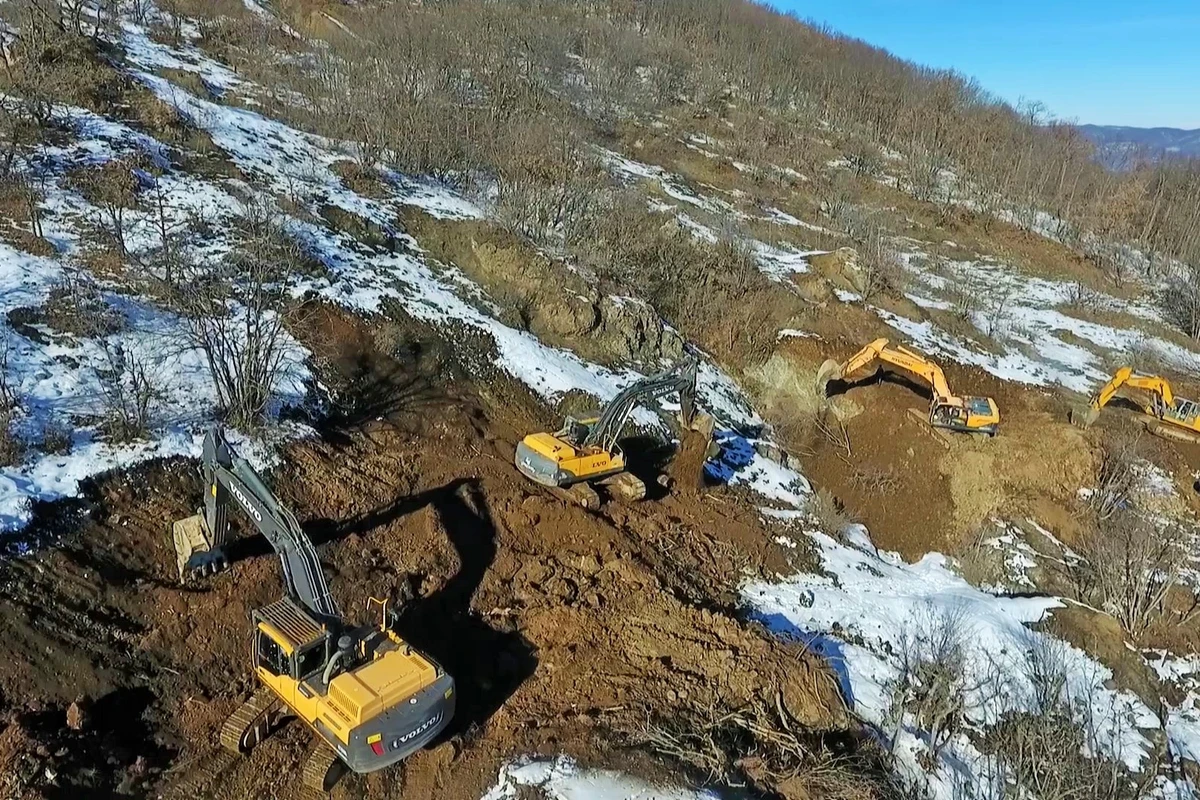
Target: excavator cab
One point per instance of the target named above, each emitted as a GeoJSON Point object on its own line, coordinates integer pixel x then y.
{"type": "Point", "coordinates": [974, 415]}
{"type": "Point", "coordinates": [1185, 411]}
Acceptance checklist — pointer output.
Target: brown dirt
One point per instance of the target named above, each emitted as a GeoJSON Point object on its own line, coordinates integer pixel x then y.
{"type": "Point", "coordinates": [542, 295]}
{"type": "Point", "coordinates": [1101, 636]}
{"type": "Point", "coordinates": [918, 491]}
{"type": "Point", "coordinates": [564, 628]}
{"type": "Point", "coordinates": [687, 467]}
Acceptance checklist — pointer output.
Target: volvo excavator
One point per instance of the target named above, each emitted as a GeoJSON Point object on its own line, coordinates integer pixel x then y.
{"type": "Point", "coordinates": [585, 451]}
{"type": "Point", "coordinates": [369, 696]}
{"type": "Point", "coordinates": [946, 409]}
{"type": "Point", "coordinates": [1169, 416]}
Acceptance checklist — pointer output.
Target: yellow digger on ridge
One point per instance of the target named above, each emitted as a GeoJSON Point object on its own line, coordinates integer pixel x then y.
{"type": "Point", "coordinates": [1171, 417]}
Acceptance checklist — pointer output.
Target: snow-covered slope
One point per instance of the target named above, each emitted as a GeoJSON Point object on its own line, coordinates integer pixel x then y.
{"type": "Point", "coordinates": [563, 779]}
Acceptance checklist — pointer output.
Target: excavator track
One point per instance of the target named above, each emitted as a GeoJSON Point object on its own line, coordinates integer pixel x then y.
{"type": "Point", "coordinates": [252, 722]}
{"type": "Point", "coordinates": [322, 769]}
{"type": "Point", "coordinates": [625, 485]}
{"type": "Point", "coordinates": [1165, 430]}
{"type": "Point", "coordinates": [580, 494]}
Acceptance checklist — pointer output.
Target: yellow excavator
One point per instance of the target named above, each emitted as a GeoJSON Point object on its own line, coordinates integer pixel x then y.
{"type": "Point", "coordinates": [946, 409]}
{"type": "Point", "coordinates": [1170, 417]}
{"type": "Point", "coordinates": [369, 696]}
{"type": "Point", "coordinates": [585, 451]}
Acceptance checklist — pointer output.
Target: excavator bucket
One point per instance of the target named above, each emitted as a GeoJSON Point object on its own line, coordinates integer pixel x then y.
{"type": "Point", "coordinates": [194, 553]}
{"type": "Point", "coordinates": [828, 371]}
{"type": "Point", "coordinates": [1083, 415]}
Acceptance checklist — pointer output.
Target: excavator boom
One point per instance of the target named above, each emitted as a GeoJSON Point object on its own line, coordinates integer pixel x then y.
{"type": "Point", "coordinates": [946, 410]}
{"type": "Point", "coordinates": [227, 477]}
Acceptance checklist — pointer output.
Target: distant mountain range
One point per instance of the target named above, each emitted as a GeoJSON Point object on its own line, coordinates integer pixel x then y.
{"type": "Point", "coordinates": [1118, 145]}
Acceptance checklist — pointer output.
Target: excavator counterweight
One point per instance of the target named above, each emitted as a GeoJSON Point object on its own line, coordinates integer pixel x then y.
{"type": "Point", "coordinates": [585, 451]}
{"type": "Point", "coordinates": [369, 696]}
{"type": "Point", "coordinates": [965, 414]}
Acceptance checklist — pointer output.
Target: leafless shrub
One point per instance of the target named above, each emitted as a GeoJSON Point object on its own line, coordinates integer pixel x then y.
{"type": "Point", "coordinates": [12, 447]}
{"type": "Point", "coordinates": [1180, 301]}
{"type": "Point", "coordinates": [864, 157]}
{"type": "Point", "coordinates": [130, 392]}
{"type": "Point", "coordinates": [997, 304]}
{"type": "Point", "coordinates": [758, 746]}
{"type": "Point", "coordinates": [964, 298]}
{"type": "Point", "coordinates": [828, 513]}
{"type": "Point", "coordinates": [552, 190]}
{"type": "Point", "coordinates": [925, 165]}
{"type": "Point", "coordinates": [880, 266]}
{"type": "Point", "coordinates": [9, 398]}
{"type": "Point", "coordinates": [1129, 566]}
{"type": "Point", "coordinates": [1048, 746]}
{"type": "Point", "coordinates": [21, 199]}
{"type": "Point", "coordinates": [113, 188]}
{"type": "Point", "coordinates": [236, 312]}
{"type": "Point", "coordinates": [1117, 481]}
{"type": "Point", "coordinates": [1083, 297]}
{"type": "Point", "coordinates": [932, 683]}
{"type": "Point", "coordinates": [139, 10]}
{"type": "Point", "coordinates": [76, 305]}
{"type": "Point", "coordinates": [54, 438]}
{"type": "Point", "coordinates": [839, 203]}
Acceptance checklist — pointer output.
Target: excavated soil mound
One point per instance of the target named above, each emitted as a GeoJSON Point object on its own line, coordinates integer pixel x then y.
{"type": "Point", "coordinates": [565, 629]}
{"type": "Point", "coordinates": [919, 490]}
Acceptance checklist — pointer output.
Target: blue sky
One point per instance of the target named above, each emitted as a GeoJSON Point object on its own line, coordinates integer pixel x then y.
{"type": "Point", "coordinates": [1135, 62]}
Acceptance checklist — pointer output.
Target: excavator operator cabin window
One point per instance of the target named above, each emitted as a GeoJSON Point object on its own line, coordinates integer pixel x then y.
{"type": "Point", "coordinates": [271, 656]}
{"type": "Point", "coordinates": [310, 661]}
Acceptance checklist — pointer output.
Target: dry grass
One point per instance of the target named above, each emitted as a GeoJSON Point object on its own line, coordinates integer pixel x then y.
{"type": "Point", "coordinates": [360, 179]}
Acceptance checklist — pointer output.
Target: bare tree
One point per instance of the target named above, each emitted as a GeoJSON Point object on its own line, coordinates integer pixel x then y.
{"type": "Point", "coordinates": [933, 681]}
{"type": "Point", "coordinates": [130, 391]}
{"type": "Point", "coordinates": [236, 313]}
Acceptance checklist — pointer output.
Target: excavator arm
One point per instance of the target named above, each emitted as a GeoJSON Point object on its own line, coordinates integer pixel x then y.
{"type": "Point", "coordinates": [681, 379]}
{"type": "Point", "coordinates": [230, 480]}
{"type": "Point", "coordinates": [901, 357]}
{"type": "Point", "coordinates": [1109, 390]}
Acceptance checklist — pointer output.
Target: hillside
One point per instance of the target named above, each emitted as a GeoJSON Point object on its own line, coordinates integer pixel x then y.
{"type": "Point", "coordinates": [1119, 144]}
{"type": "Point", "coordinates": [383, 242]}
